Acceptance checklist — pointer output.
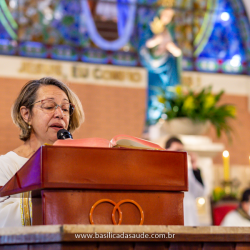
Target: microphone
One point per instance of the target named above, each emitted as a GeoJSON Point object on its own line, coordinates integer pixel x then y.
{"type": "Point", "coordinates": [64, 134]}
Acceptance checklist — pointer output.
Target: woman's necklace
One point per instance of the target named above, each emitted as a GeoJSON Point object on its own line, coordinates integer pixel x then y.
{"type": "Point", "coordinates": [31, 153]}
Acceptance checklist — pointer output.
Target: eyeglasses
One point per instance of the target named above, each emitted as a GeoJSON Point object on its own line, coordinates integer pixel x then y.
{"type": "Point", "coordinates": [49, 106]}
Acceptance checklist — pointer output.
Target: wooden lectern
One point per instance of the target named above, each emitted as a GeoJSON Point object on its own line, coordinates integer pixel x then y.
{"type": "Point", "coordinates": [65, 182]}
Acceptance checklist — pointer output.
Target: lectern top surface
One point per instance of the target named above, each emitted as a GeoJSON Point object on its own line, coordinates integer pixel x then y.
{"type": "Point", "coordinates": [58, 167]}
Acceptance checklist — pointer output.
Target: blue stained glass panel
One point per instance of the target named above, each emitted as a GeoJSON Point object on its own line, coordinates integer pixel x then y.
{"type": "Point", "coordinates": [8, 19]}
{"type": "Point", "coordinates": [214, 35]}
{"type": "Point", "coordinates": [50, 22]}
{"type": "Point", "coordinates": [225, 43]}
{"type": "Point", "coordinates": [67, 17]}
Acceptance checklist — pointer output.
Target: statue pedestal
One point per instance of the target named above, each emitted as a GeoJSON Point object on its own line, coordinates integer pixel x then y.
{"type": "Point", "coordinates": [206, 151]}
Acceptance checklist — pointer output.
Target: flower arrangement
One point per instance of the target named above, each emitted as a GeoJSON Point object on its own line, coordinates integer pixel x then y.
{"type": "Point", "coordinates": [228, 190]}
{"type": "Point", "coordinates": [199, 106]}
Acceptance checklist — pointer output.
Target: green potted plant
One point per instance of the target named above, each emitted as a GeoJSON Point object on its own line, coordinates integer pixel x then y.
{"type": "Point", "coordinates": [196, 108]}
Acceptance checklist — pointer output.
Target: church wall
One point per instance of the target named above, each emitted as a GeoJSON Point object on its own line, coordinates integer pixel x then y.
{"type": "Point", "coordinates": [237, 92]}
{"type": "Point", "coordinates": [112, 109]}
{"type": "Point", "coordinates": [108, 110]}
{"type": "Point", "coordinates": [239, 147]}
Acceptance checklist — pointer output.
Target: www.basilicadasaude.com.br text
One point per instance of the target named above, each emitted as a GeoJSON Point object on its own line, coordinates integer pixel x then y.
{"type": "Point", "coordinates": [110, 235]}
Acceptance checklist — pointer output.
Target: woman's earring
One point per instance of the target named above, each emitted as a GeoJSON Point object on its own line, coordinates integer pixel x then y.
{"type": "Point", "coordinates": [29, 127]}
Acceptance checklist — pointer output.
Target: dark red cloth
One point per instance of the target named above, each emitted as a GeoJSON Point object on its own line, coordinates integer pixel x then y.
{"type": "Point", "coordinates": [221, 210]}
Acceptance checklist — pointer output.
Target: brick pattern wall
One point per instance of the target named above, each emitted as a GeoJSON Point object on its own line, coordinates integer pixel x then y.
{"type": "Point", "coordinates": [239, 147]}
{"type": "Point", "coordinates": [114, 110]}
{"type": "Point", "coordinates": [109, 111]}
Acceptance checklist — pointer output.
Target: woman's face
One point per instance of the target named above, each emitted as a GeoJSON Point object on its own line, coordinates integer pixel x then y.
{"type": "Point", "coordinates": [46, 124]}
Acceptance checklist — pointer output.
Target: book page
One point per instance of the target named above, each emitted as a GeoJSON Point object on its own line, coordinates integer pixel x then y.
{"type": "Point", "coordinates": [127, 141]}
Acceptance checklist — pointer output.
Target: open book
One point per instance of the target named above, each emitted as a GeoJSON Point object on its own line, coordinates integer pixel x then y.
{"type": "Point", "coordinates": [119, 141]}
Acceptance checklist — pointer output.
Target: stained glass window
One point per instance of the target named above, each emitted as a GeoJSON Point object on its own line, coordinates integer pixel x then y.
{"type": "Point", "coordinates": [213, 34]}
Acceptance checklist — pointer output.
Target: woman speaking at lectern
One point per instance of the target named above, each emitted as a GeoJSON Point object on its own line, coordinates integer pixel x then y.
{"type": "Point", "coordinates": [42, 108]}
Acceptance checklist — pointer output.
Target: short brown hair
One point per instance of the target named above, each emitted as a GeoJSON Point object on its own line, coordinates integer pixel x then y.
{"type": "Point", "coordinates": [172, 140]}
{"type": "Point", "coordinates": [28, 96]}
{"type": "Point", "coordinates": [246, 196]}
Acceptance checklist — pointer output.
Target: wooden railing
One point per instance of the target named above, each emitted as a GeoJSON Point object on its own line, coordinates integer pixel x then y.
{"type": "Point", "coordinates": [108, 237]}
